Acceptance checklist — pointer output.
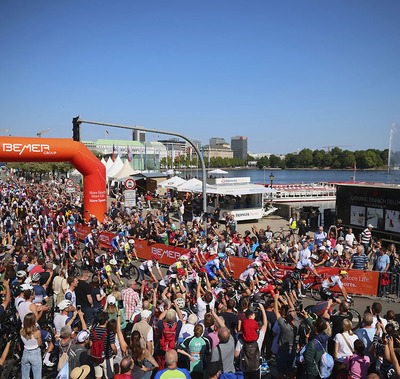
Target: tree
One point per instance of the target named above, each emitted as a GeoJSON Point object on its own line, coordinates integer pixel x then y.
{"type": "Point", "coordinates": [263, 162]}
{"type": "Point", "coordinates": [348, 159]}
{"type": "Point", "coordinates": [274, 161]}
{"type": "Point", "coordinates": [292, 160]}
{"type": "Point", "coordinates": [318, 158]}
{"type": "Point", "coordinates": [305, 158]}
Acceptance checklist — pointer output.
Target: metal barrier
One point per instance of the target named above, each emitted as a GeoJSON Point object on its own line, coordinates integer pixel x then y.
{"type": "Point", "coordinates": [389, 284]}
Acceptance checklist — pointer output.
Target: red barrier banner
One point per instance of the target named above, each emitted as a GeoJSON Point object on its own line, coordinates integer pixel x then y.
{"type": "Point", "coordinates": [357, 282]}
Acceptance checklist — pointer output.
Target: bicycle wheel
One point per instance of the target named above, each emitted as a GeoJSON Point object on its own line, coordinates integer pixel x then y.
{"type": "Point", "coordinates": [134, 273]}
{"type": "Point", "coordinates": [315, 291]}
{"type": "Point", "coordinates": [356, 320]}
{"type": "Point", "coordinates": [278, 235]}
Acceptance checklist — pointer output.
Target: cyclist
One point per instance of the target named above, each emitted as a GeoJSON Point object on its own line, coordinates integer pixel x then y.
{"type": "Point", "coordinates": [105, 273]}
{"type": "Point", "coordinates": [183, 263]}
{"type": "Point", "coordinates": [49, 249]}
{"type": "Point", "coordinates": [250, 275]}
{"type": "Point", "coordinates": [216, 268]}
{"type": "Point", "coordinates": [130, 249]}
{"type": "Point", "coordinates": [303, 267]}
{"type": "Point", "coordinates": [332, 281]}
{"type": "Point", "coordinates": [116, 241]}
{"type": "Point", "coordinates": [90, 240]}
{"type": "Point", "coordinates": [64, 238]}
{"type": "Point", "coordinates": [146, 268]}
{"type": "Point", "coordinates": [33, 234]}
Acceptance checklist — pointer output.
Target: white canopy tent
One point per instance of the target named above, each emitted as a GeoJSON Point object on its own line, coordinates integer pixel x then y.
{"type": "Point", "coordinates": [218, 171]}
{"type": "Point", "coordinates": [109, 164]}
{"type": "Point", "coordinates": [115, 168]}
{"type": "Point", "coordinates": [188, 185]}
{"type": "Point", "coordinates": [103, 161]}
{"type": "Point", "coordinates": [172, 183]}
{"type": "Point", "coordinates": [125, 172]}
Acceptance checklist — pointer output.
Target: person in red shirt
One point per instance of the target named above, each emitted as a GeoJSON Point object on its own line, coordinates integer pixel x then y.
{"type": "Point", "coordinates": [250, 327]}
{"type": "Point", "coordinates": [126, 365]}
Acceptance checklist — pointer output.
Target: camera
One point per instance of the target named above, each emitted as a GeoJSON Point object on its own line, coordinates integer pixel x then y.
{"type": "Point", "coordinates": [78, 308]}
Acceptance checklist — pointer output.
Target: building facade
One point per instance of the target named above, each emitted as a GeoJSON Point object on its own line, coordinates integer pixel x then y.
{"type": "Point", "coordinates": [239, 147]}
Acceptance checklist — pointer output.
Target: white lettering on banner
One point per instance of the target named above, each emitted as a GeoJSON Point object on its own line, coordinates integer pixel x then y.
{"type": "Point", "coordinates": [104, 238]}
{"type": "Point", "coordinates": [33, 148]}
{"type": "Point", "coordinates": [159, 252]}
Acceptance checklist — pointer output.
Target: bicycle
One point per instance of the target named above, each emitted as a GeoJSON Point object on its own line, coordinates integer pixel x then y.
{"type": "Point", "coordinates": [314, 285]}
{"type": "Point", "coordinates": [283, 234]}
{"type": "Point", "coordinates": [129, 270]}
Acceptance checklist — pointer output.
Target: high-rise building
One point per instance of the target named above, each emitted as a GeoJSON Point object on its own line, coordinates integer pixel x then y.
{"type": "Point", "coordinates": [239, 147]}
{"type": "Point", "coordinates": [139, 136]}
{"type": "Point", "coordinates": [216, 141]}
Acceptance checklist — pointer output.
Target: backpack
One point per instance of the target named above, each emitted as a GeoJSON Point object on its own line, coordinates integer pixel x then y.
{"type": "Point", "coordinates": [227, 375]}
{"type": "Point", "coordinates": [250, 356]}
{"type": "Point", "coordinates": [325, 363]}
{"type": "Point", "coordinates": [97, 350]}
{"type": "Point", "coordinates": [168, 337]}
{"type": "Point", "coordinates": [64, 354]}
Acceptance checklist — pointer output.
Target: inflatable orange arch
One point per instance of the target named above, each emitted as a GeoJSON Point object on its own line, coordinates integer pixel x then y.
{"type": "Point", "coordinates": [22, 149]}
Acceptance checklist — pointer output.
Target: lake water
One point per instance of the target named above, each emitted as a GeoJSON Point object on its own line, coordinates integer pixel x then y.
{"type": "Point", "coordinates": [310, 176]}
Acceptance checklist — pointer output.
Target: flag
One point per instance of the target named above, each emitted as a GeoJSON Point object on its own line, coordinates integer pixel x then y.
{"type": "Point", "coordinates": [128, 154]}
{"type": "Point", "coordinates": [64, 372]}
{"type": "Point", "coordinates": [119, 152]}
{"type": "Point", "coordinates": [113, 153]}
{"type": "Point", "coordinates": [179, 154]}
{"type": "Point", "coordinates": [141, 155]}
{"type": "Point", "coordinates": [154, 149]}
{"type": "Point", "coordinates": [355, 167]}
{"type": "Point", "coordinates": [209, 153]}
{"type": "Point", "coordinates": [173, 155]}
{"type": "Point", "coordinates": [190, 154]}
{"type": "Point", "coordinates": [203, 151]}
{"type": "Point", "coordinates": [145, 154]}
{"type": "Point", "coordinates": [107, 132]}
{"type": "Point", "coordinates": [132, 134]}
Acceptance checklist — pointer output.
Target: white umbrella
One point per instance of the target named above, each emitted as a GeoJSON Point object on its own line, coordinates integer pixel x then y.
{"type": "Point", "coordinates": [218, 171]}
{"type": "Point", "coordinates": [171, 183]}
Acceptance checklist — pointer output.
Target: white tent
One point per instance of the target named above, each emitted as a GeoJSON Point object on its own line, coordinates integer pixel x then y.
{"type": "Point", "coordinates": [172, 183]}
{"type": "Point", "coordinates": [109, 164]}
{"type": "Point", "coordinates": [103, 161]}
{"type": "Point", "coordinates": [115, 168]}
{"type": "Point", "coordinates": [186, 186]}
{"type": "Point", "coordinates": [218, 171]}
{"type": "Point", "coordinates": [125, 172]}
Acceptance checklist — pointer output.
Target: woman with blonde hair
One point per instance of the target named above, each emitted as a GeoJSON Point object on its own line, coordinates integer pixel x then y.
{"type": "Point", "coordinates": [31, 358]}
{"type": "Point", "coordinates": [344, 347]}
{"type": "Point", "coordinates": [113, 303]}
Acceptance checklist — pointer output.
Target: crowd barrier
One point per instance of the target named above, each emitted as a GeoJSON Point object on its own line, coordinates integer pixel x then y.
{"type": "Point", "coordinates": [389, 284]}
{"type": "Point", "coordinates": [357, 282]}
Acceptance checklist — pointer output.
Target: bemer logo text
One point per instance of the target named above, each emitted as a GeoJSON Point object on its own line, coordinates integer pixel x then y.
{"type": "Point", "coordinates": [20, 148]}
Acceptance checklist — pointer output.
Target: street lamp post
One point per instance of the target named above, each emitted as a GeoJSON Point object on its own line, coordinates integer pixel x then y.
{"type": "Point", "coordinates": [271, 178]}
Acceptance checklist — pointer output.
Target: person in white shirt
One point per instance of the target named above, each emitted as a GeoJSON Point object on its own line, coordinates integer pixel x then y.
{"type": "Point", "coordinates": [205, 304]}
{"type": "Point", "coordinates": [350, 237]}
{"type": "Point", "coordinates": [305, 252]}
{"type": "Point", "coordinates": [344, 342]}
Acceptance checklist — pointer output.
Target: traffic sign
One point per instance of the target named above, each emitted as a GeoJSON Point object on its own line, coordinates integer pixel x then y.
{"type": "Point", "coordinates": [130, 184]}
{"type": "Point", "coordinates": [70, 183]}
{"type": "Point", "coordinates": [130, 198]}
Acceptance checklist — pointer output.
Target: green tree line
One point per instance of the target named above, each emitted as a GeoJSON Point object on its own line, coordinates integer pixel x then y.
{"type": "Point", "coordinates": [335, 159]}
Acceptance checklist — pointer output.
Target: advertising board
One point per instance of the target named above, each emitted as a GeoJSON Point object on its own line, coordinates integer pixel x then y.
{"type": "Point", "coordinates": [378, 205]}
{"type": "Point", "coordinates": [358, 282]}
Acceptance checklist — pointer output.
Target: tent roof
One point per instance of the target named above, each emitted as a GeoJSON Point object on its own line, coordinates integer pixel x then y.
{"type": "Point", "coordinates": [109, 164]}
{"type": "Point", "coordinates": [171, 183]}
{"type": "Point", "coordinates": [103, 161]}
{"type": "Point", "coordinates": [237, 190]}
{"type": "Point", "coordinates": [189, 184]}
{"type": "Point", "coordinates": [218, 171]}
{"type": "Point", "coordinates": [115, 168]}
{"type": "Point", "coordinates": [125, 172]}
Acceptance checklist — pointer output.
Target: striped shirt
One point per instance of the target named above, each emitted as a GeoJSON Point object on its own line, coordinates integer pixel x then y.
{"type": "Point", "coordinates": [366, 236]}
{"type": "Point", "coordinates": [360, 262]}
{"type": "Point", "coordinates": [108, 340]}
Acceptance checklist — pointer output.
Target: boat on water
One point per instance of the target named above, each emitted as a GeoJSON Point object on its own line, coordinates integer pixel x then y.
{"type": "Point", "coordinates": [306, 192]}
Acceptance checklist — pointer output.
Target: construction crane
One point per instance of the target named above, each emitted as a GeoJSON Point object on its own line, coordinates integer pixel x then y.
{"type": "Point", "coordinates": [3, 130]}
{"type": "Point", "coordinates": [43, 131]}
{"type": "Point", "coordinates": [329, 147]}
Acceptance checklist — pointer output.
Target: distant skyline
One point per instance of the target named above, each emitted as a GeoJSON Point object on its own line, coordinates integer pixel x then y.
{"type": "Point", "coordinates": [287, 75]}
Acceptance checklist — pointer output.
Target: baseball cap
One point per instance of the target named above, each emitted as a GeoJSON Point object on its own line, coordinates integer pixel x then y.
{"type": "Point", "coordinates": [370, 226]}
{"type": "Point", "coordinates": [64, 304]}
{"type": "Point", "coordinates": [82, 336]}
{"type": "Point", "coordinates": [21, 274]}
{"type": "Point", "coordinates": [340, 239]}
{"type": "Point", "coordinates": [145, 314]}
{"type": "Point", "coordinates": [111, 300]}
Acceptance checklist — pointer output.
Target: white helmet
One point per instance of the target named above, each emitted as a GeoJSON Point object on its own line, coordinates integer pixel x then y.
{"type": "Point", "coordinates": [131, 241]}
{"type": "Point", "coordinates": [113, 262]}
{"type": "Point", "coordinates": [257, 264]}
{"type": "Point", "coordinates": [230, 251]}
{"type": "Point", "coordinates": [328, 243]}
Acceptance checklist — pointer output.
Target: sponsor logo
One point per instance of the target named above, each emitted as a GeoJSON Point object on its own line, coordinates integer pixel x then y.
{"type": "Point", "coordinates": [160, 253]}
{"type": "Point", "coordinates": [31, 147]}
{"type": "Point", "coordinates": [104, 238]}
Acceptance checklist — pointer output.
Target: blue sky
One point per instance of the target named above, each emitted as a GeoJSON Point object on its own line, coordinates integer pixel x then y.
{"type": "Point", "coordinates": [286, 74]}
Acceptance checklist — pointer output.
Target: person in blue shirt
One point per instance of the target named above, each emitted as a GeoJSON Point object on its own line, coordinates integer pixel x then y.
{"type": "Point", "coordinates": [172, 371]}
